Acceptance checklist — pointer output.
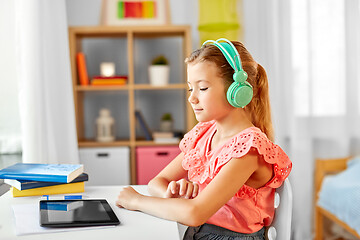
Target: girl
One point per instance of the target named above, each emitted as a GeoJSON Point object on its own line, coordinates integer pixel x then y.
{"type": "Point", "coordinates": [223, 182]}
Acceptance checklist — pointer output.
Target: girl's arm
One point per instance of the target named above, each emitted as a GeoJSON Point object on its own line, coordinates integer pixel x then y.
{"type": "Point", "coordinates": [194, 212]}
{"type": "Point", "coordinates": [159, 185]}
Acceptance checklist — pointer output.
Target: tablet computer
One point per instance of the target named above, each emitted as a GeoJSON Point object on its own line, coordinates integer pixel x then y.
{"type": "Point", "coordinates": [76, 213]}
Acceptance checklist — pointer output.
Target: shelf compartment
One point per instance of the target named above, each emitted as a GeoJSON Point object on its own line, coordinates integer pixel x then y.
{"type": "Point", "coordinates": [118, 104]}
{"type": "Point", "coordinates": [146, 49]}
{"type": "Point", "coordinates": [98, 50]}
{"type": "Point", "coordinates": [153, 104]}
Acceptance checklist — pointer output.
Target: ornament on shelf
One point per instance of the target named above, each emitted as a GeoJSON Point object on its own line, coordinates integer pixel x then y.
{"type": "Point", "coordinates": [107, 69]}
{"type": "Point", "coordinates": [166, 123]}
{"type": "Point", "coordinates": [105, 126]}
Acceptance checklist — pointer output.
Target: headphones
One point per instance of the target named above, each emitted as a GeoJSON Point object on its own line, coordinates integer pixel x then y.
{"type": "Point", "coordinates": [240, 92]}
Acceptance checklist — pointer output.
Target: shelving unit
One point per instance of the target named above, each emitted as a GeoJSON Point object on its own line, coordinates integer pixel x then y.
{"type": "Point", "coordinates": [131, 47]}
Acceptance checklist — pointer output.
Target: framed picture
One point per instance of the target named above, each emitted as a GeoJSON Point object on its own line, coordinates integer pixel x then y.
{"type": "Point", "coordinates": [135, 12]}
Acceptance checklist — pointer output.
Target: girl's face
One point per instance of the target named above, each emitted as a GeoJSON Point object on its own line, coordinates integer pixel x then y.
{"type": "Point", "coordinates": [207, 93]}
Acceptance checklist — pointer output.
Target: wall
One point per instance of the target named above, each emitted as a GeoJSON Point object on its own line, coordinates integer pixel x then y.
{"type": "Point", "coordinates": [87, 12]}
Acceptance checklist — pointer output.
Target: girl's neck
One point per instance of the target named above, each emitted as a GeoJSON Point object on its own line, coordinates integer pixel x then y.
{"type": "Point", "coordinates": [235, 122]}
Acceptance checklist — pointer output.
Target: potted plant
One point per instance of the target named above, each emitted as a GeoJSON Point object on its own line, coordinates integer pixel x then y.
{"type": "Point", "coordinates": [159, 71]}
{"type": "Point", "coordinates": [166, 124]}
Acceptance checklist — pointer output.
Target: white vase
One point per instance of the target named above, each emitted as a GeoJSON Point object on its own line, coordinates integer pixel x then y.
{"type": "Point", "coordinates": [159, 75]}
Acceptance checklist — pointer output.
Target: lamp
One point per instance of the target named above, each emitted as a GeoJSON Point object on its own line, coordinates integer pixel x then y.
{"type": "Point", "coordinates": [107, 69]}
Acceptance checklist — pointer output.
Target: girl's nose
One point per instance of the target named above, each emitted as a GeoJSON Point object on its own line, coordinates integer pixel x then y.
{"type": "Point", "coordinates": [192, 98]}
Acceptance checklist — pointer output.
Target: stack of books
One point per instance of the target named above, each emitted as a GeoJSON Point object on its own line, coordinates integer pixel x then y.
{"type": "Point", "coordinates": [32, 179]}
{"type": "Point", "coordinates": [166, 137]}
{"type": "Point", "coordinates": [108, 81]}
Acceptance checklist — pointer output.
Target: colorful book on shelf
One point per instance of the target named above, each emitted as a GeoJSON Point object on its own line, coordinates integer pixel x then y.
{"type": "Point", "coordinates": [57, 189]}
{"type": "Point", "coordinates": [115, 77]}
{"type": "Point", "coordinates": [141, 120]}
{"type": "Point", "coordinates": [108, 83]}
{"type": "Point", "coordinates": [25, 184]}
{"type": "Point", "coordinates": [63, 173]}
{"type": "Point", "coordinates": [82, 69]}
{"type": "Point", "coordinates": [104, 81]}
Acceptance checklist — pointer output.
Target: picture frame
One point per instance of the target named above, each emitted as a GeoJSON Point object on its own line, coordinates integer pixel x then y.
{"type": "Point", "coordinates": [135, 12]}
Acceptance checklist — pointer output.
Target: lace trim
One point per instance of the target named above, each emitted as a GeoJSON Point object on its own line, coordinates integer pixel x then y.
{"type": "Point", "coordinates": [190, 138]}
{"type": "Point", "coordinates": [200, 169]}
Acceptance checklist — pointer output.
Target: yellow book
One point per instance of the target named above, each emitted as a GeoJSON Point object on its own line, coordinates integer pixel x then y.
{"type": "Point", "coordinates": [108, 82]}
{"type": "Point", "coordinates": [57, 189]}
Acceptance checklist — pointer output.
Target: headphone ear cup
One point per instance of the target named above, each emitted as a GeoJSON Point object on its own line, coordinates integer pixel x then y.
{"type": "Point", "coordinates": [240, 76]}
{"type": "Point", "coordinates": [239, 94]}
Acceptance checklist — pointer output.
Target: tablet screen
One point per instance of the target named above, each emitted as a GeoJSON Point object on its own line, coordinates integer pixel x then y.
{"type": "Point", "coordinates": [76, 213]}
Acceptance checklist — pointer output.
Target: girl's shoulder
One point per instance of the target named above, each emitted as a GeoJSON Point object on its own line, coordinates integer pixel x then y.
{"type": "Point", "coordinates": [272, 153]}
{"type": "Point", "coordinates": [202, 166]}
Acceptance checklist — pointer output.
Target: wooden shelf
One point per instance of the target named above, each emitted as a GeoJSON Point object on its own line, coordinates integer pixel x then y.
{"type": "Point", "coordinates": [138, 31]}
{"type": "Point", "coordinates": [93, 143]}
{"type": "Point", "coordinates": [152, 143]}
{"type": "Point", "coordinates": [134, 39]}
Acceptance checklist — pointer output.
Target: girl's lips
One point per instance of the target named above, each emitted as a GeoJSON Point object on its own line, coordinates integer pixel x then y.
{"type": "Point", "coordinates": [197, 110]}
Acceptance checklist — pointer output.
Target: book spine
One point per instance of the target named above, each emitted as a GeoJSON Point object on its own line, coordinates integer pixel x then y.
{"type": "Point", "coordinates": [23, 185]}
{"type": "Point", "coordinates": [107, 83]}
{"type": "Point", "coordinates": [36, 177]}
{"type": "Point", "coordinates": [82, 70]}
{"type": "Point", "coordinates": [144, 126]}
{"type": "Point", "coordinates": [57, 189]}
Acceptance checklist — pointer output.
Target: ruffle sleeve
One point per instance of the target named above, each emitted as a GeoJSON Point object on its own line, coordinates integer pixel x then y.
{"type": "Point", "coordinates": [272, 153]}
{"type": "Point", "coordinates": [200, 168]}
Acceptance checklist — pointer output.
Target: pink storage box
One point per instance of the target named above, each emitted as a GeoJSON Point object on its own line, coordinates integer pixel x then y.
{"type": "Point", "coordinates": [151, 160]}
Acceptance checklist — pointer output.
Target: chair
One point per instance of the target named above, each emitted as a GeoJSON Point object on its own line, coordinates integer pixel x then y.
{"type": "Point", "coordinates": [280, 228]}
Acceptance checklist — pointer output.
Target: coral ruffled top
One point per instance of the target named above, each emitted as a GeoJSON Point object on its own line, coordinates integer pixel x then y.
{"type": "Point", "coordinates": [250, 209]}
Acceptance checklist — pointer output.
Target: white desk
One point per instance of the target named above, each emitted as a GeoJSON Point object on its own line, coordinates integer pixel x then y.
{"type": "Point", "coordinates": [134, 225]}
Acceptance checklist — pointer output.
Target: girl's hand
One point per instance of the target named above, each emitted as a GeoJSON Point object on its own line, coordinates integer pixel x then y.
{"type": "Point", "coordinates": [127, 198]}
{"type": "Point", "coordinates": [182, 189]}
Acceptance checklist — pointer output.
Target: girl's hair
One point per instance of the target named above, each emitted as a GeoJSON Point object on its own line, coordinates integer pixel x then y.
{"type": "Point", "coordinates": [258, 109]}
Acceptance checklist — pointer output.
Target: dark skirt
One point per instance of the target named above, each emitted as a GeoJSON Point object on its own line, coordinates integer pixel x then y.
{"type": "Point", "coordinates": [213, 232]}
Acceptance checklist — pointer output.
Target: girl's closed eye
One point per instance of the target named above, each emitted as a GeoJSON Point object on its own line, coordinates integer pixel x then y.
{"type": "Point", "coordinates": [204, 89]}
{"type": "Point", "coordinates": [190, 90]}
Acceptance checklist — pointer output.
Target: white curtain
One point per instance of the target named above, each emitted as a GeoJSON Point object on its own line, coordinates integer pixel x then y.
{"type": "Point", "coordinates": [311, 51]}
{"type": "Point", "coordinates": [46, 99]}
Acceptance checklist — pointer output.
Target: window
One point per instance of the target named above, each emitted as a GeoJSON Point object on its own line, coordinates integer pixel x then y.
{"type": "Point", "coordinates": [318, 56]}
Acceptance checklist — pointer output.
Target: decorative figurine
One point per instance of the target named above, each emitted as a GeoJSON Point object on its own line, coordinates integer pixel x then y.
{"type": "Point", "coordinates": [105, 126]}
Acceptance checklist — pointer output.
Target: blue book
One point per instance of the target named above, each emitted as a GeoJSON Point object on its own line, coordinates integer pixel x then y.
{"type": "Point", "coordinates": [143, 125]}
{"type": "Point", "coordinates": [26, 184]}
{"type": "Point", "coordinates": [63, 173]}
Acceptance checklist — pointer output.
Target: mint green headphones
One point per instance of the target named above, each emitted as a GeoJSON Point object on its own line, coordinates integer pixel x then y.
{"type": "Point", "coordinates": [240, 92]}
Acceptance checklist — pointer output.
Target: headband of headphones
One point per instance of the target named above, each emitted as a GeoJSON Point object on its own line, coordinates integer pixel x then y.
{"type": "Point", "coordinates": [240, 92]}
{"type": "Point", "coordinates": [232, 56]}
